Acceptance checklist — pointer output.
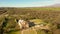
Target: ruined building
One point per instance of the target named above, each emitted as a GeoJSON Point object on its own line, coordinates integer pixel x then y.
{"type": "Point", "coordinates": [23, 24]}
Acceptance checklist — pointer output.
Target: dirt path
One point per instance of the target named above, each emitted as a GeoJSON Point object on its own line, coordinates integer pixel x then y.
{"type": "Point", "coordinates": [57, 31]}
{"type": "Point", "coordinates": [29, 31]}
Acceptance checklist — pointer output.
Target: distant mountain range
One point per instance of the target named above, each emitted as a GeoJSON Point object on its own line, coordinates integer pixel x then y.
{"type": "Point", "coordinates": [54, 5]}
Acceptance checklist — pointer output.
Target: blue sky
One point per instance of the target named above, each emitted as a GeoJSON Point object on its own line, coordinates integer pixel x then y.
{"type": "Point", "coordinates": [27, 3]}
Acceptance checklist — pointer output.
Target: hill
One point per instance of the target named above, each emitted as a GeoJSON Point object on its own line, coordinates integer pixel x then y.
{"type": "Point", "coordinates": [10, 16]}
{"type": "Point", "coordinates": [54, 5]}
